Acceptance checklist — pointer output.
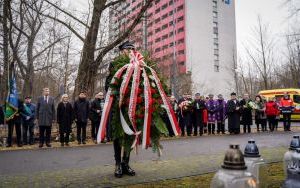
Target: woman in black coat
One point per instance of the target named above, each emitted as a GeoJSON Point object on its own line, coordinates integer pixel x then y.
{"type": "Point", "coordinates": [246, 114]}
{"type": "Point", "coordinates": [65, 118]}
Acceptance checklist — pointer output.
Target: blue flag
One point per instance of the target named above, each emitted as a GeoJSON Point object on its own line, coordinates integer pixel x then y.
{"type": "Point", "coordinates": [12, 102]}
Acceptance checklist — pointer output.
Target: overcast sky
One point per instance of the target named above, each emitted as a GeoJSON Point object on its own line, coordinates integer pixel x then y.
{"type": "Point", "coordinates": [271, 11]}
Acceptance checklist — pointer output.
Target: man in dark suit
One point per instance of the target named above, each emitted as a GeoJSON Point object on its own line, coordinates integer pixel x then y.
{"type": "Point", "coordinates": [233, 113]}
{"type": "Point", "coordinates": [81, 109]}
{"type": "Point", "coordinates": [45, 114]}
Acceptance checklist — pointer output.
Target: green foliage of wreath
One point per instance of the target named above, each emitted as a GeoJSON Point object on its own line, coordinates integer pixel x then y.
{"type": "Point", "coordinates": [158, 126]}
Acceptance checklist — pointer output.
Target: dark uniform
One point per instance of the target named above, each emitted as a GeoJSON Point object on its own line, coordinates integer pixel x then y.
{"type": "Point", "coordinates": [122, 164]}
{"type": "Point", "coordinates": [185, 118]}
{"type": "Point", "coordinates": [81, 109]}
{"type": "Point", "coordinates": [246, 116]}
{"type": "Point", "coordinates": [28, 117]}
{"type": "Point", "coordinates": [233, 116]}
{"type": "Point", "coordinates": [198, 107]}
{"type": "Point", "coordinates": [15, 122]}
{"type": "Point", "coordinates": [95, 116]}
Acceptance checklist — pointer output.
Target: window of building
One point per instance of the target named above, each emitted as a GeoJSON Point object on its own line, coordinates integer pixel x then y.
{"type": "Point", "coordinates": [180, 30]}
{"type": "Point", "coordinates": [157, 40]}
{"type": "Point", "coordinates": [164, 37]}
{"type": "Point", "coordinates": [157, 1]}
{"type": "Point", "coordinates": [216, 57]}
{"type": "Point", "coordinates": [171, 23]}
{"type": "Point", "coordinates": [216, 35]}
{"type": "Point", "coordinates": [215, 24]}
{"type": "Point", "coordinates": [164, 16]}
{"type": "Point", "coordinates": [171, 44]}
{"type": "Point", "coordinates": [181, 63]}
{"type": "Point", "coordinates": [215, 14]}
{"type": "Point", "coordinates": [216, 46]}
{"type": "Point", "coordinates": [171, 2]}
{"type": "Point", "coordinates": [150, 43]}
{"type": "Point", "coordinates": [157, 20]}
{"type": "Point", "coordinates": [157, 11]}
{"type": "Point", "coordinates": [180, 52]}
{"type": "Point", "coordinates": [180, 19]}
{"type": "Point", "coordinates": [216, 51]}
{"type": "Point", "coordinates": [180, 41]}
{"type": "Point", "coordinates": [215, 40]}
{"type": "Point", "coordinates": [164, 6]}
{"type": "Point", "coordinates": [150, 24]}
{"type": "Point", "coordinates": [164, 27]}
{"type": "Point", "coordinates": [157, 50]}
{"type": "Point", "coordinates": [171, 13]}
{"type": "Point", "coordinates": [157, 30]}
{"type": "Point", "coordinates": [164, 47]}
{"type": "Point", "coordinates": [180, 8]}
{"type": "Point", "coordinates": [171, 34]}
{"type": "Point", "coordinates": [215, 30]}
{"type": "Point", "coordinates": [217, 68]}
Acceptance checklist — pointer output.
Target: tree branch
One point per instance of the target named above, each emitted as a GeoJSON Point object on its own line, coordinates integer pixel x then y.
{"type": "Point", "coordinates": [135, 22]}
{"type": "Point", "coordinates": [67, 13]}
{"type": "Point", "coordinates": [49, 46]}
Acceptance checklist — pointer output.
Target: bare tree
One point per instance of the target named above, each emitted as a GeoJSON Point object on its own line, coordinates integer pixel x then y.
{"type": "Point", "coordinates": [260, 51]}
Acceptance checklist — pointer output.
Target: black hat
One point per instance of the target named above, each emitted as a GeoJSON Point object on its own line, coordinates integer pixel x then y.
{"type": "Point", "coordinates": [127, 45]}
{"type": "Point", "coordinates": [233, 93]}
{"type": "Point", "coordinates": [28, 97]}
{"type": "Point", "coordinates": [251, 149]}
{"type": "Point", "coordinates": [197, 94]}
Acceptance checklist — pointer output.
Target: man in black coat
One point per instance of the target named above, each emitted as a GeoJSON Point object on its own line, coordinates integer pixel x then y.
{"type": "Point", "coordinates": [81, 108]}
{"type": "Point", "coordinates": [45, 115]}
{"type": "Point", "coordinates": [246, 113]}
{"type": "Point", "coordinates": [95, 115]}
{"type": "Point", "coordinates": [233, 113]}
{"type": "Point", "coordinates": [198, 107]}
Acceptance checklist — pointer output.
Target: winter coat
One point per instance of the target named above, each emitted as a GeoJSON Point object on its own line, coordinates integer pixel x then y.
{"type": "Point", "coordinates": [45, 111]}
{"type": "Point", "coordinates": [81, 108]}
{"type": "Point", "coordinates": [65, 117]}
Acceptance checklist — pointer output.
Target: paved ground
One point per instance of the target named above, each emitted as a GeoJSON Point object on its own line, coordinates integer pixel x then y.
{"type": "Point", "coordinates": [92, 166]}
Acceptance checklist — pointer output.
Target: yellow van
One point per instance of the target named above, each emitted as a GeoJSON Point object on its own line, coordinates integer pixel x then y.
{"type": "Point", "coordinates": [278, 93]}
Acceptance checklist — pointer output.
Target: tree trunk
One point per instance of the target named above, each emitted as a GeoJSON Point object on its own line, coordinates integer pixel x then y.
{"type": "Point", "coordinates": [87, 68]}
{"type": "Point", "coordinates": [4, 78]}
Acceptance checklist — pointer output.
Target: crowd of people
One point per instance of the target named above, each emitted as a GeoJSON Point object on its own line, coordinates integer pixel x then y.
{"type": "Point", "coordinates": [203, 115]}
{"type": "Point", "coordinates": [198, 116]}
{"type": "Point", "coordinates": [44, 114]}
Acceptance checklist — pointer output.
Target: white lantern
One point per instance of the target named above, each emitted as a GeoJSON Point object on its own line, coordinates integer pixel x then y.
{"type": "Point", "coordinates": [253, 160]}
{"type": "Point", "coordinates": [287, 159]}
{"type": "Point", "coordinates": [233, 173]}
{"type": "Point", "coordinates": [293, 172]}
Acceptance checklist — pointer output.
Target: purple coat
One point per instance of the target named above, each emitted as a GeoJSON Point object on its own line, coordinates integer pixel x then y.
{"type": "Point", "coordinates": [211, 106]}
{"type": "Point", "coordinates": [221, 110]}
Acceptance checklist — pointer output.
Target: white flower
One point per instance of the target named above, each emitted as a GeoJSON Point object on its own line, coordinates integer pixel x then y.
{"type": "Point", "coordinates": [153, 84]}
{"type": "Point", "coordinates": [151, 77]}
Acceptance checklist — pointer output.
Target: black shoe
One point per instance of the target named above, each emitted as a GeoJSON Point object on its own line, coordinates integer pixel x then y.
{"type": "Point", "coordinates": [31, 143]}
{"type": "Point", "coordinates": [41, 145]}
{"type": "Point", "coordinates": [79, 142]}
{"type": "Point", "coordinates": [20, 145]}
{"type": "Point", "coordinates": [25, 143]}
{"type": "Point", "coordinates": [127, 170]}
{"type": "Point", "coordinates": [48, 145]}
{"type": "Point", "coordinates": [67, 144]}
{"type": "Point", "coordinates": [8, 145]}
{"type": "Point", "coordinates": [195, 134]}
{"type": "Point", "coordinates": [83, 142]}
{"type": "Point", "coordinates": [118, 171]}
{"type": "Point", "coordinates": [62, 144]}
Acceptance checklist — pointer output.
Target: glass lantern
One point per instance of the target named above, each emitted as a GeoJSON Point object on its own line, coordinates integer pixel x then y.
{"type": "Point", "coordinates": [253, 160]}
{"type": "Point", "coordinates": [287, 159]}
{"type": "Point", "coordinates": [293, 171]}
{"type": "Point", "coordinates": [233, 173]}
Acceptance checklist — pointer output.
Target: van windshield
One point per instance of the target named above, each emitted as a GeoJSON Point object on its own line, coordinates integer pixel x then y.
{"type": "Point", "coordinates": [296, 99]}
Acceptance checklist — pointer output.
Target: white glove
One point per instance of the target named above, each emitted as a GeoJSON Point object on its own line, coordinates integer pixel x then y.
{"type": "Point", "coordinates": [27, 117]}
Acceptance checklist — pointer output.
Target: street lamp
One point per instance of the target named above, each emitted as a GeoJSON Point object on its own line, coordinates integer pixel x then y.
{"type": "Point", "coordinates": [233, 173]}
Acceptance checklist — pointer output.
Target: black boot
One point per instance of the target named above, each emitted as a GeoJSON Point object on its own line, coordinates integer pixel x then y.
{"type": "Point", "coordinates": [127, 170]}
{"type": "Point", "coordinates": [118, 171]}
